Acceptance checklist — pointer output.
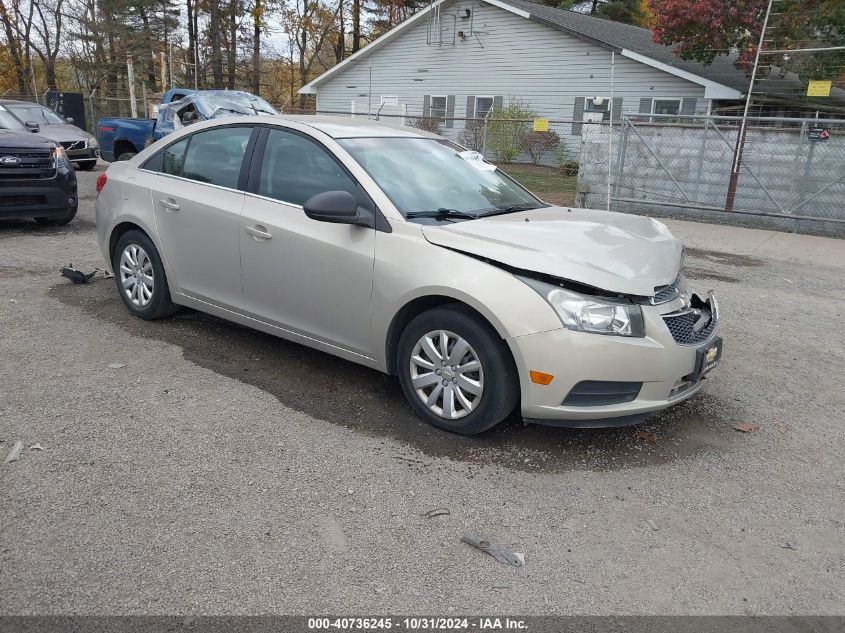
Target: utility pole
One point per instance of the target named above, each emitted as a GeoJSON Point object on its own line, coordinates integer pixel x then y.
{"type": "Point", "coordinates": [743, 126]}
{"type": "Point", "coordinates": [130, 77]}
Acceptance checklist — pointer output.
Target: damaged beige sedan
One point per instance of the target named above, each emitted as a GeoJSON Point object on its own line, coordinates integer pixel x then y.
{"type": "Point", "coordinates": [394, 248]}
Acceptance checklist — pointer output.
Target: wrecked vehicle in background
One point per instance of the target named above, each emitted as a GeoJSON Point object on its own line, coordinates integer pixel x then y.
{"type": "Point", "coordinates": [121, 139]}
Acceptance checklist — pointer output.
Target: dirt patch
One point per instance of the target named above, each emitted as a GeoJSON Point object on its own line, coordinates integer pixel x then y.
{"type": "Point", "coordinates": [352, 396]}
{"type": "Point", "coordinates": [693, 272]}
{"type": "Point", "coordinates": [721, 257]}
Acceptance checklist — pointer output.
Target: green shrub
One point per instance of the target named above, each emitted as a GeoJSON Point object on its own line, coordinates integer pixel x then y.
{"type": "Point", "coordinates": [506, 129]}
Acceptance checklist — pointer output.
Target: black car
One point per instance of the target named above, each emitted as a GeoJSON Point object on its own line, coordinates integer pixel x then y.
{"type": "Point", "coordinates": [36, 177]}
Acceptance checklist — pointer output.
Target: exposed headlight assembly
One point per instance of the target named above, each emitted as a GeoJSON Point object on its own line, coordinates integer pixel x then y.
{"type": "Point", "coordinates": [584, 313]}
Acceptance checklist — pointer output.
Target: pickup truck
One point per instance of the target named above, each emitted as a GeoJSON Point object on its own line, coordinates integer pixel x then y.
{"type": "Point", "coordinates": [121, 139]}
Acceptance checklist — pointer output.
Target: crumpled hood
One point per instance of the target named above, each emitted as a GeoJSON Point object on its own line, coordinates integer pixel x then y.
{"type": "Point", "coordinates": [64, 133]}
{"type": "Point", "coordinates": [620, 253]}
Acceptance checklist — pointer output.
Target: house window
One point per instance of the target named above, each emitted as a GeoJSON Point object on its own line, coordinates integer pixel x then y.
{"type": "Point", "coordinates": [666, 106]}
{"type": "Point", "coordinates": [483, 106]}
{"type": "Point", "coordinates": [438, 108]}
{"type": "Point", "coordinates": [603, 108]}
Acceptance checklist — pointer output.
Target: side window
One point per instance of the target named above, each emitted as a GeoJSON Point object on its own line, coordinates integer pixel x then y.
{"type": "Point", "coordinates": [215, 156]}
{"type": "Point", "coordinates": [171, 158]}
{"type": "Point", "coordinates": [295, 168]}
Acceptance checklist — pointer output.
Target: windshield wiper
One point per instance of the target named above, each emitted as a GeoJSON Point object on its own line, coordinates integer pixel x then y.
{"type": "Point", "coordinates": [513, 208]}
{"type": "Point", "coordinates": [441, 214]}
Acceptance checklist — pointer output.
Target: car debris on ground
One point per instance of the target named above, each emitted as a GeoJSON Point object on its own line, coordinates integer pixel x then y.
{"type": "Point", "coordinates": [437, 512]}
{"type": "Point", "coordinates": [499, 552]}
{"type": "Point", "coordinates": [16, 451]}
{"type": "Point", "coordinates": [77, 276]}
{"type": "Point", "coordinates": [746, 427]}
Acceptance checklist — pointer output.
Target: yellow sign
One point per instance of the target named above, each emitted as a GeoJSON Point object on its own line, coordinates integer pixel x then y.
{"type": "Point", "coordinates": [818, 89]}
{"type": "Point", "coordinates": [541, 125]}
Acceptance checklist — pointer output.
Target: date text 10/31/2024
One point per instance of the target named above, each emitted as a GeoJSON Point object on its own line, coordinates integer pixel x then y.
{"type": "Point", "coordinates": [417, 624]}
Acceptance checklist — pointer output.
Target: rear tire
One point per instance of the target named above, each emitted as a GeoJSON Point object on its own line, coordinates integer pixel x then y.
{"type": "Point", "coordinates": [59, 220]}
{"type": "Point", "coordinates": [125, 156]}
{"type": "Point", "coordinates": [478, 377]}
{"type": "Point", "coordinates": [140, 278]}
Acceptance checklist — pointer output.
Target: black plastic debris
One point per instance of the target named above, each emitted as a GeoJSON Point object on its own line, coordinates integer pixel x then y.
{"type": "Point", "coordinates": [76, 276]}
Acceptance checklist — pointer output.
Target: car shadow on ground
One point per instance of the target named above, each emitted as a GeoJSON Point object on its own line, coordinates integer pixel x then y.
{"type": "Point", "coordinates": [359, 398]}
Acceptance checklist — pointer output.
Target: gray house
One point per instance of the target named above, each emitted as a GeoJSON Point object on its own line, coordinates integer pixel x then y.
{"type": "Point", "coordinates": [460, 58]}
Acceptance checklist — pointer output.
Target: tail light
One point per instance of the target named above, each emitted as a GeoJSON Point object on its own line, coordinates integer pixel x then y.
{"type": "Point", "coordinates": [101, 182]}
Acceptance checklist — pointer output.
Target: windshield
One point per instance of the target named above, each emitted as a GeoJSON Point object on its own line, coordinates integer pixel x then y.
{"type": "Point", "coordinates": [39, 114]}
{"type": "Point", "coordinates": [423, 176]}
{"type": "Point", "coordinates": [9, 122]}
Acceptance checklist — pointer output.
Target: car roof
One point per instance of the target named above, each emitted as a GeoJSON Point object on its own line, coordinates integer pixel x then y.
{"type": "Point", "coordinates": [338, 127]}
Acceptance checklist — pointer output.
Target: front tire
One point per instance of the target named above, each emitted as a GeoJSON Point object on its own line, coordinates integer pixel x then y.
{"type": "Point", "coordinates": [60, 220]}
{"type": "Point", "coordinates": [455, 371]}
{"type": "Point", "coordinates": [87, 165]}
{"type": "Point", "coordinates": [140, 278]}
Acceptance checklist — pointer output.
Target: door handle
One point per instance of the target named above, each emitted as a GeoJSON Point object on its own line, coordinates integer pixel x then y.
{"type": "Point", "coordinates": [258, 232]}
{"type": "Point", "coordinates": [170, 204]}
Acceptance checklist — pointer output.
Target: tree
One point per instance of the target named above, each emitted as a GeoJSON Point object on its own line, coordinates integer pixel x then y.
{"type": "Point", "coordinates": [701, 30]}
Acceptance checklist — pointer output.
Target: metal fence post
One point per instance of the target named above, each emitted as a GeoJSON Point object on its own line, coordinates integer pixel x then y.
{"type": "Point", "coordinates": [620, 159]}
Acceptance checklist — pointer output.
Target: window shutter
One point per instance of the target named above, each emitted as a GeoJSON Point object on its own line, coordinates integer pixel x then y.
{"type": "Point", "coordinates": [426, 106]}
{"type": "Point", "coordinates": [450, 111]}
{"type": "Point", "coordinates": [688, 105]}
{"type": "Point", "coordinates": [498, 104]}
{"type": "Point", "coordinates": [645, 106]}
{"type": "Point", "coordinates": [578, 116]}
{"type": "Point", "coordinates": [471, 107]}
{"type": "Point", "coordinates": [616, 106]}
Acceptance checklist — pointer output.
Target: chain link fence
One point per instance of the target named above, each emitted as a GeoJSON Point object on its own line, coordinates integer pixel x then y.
{"type": "Point", "coordinates": [789, 171]}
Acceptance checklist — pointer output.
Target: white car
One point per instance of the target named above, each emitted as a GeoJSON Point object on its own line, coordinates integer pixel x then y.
{"type": "Point", "coordinates": [394, 248]}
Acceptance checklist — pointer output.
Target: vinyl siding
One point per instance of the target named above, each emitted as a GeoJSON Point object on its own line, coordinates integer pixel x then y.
{"type": "Point", "coordinates": [513, 57]}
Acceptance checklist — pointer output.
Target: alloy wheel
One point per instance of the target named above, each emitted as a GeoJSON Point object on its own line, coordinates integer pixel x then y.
{"type": "Point", "coordinates": [447, 374]}
{"type": "Point", "coordinates": [136, 275]}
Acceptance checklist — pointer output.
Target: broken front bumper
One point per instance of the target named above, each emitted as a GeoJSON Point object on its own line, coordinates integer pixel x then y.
{"type": "Point", "coordinates": [615, 380]}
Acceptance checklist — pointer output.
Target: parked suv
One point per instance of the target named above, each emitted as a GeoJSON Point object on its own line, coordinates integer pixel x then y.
{"type": "Point", "coordinates": [36, 177]}
{"type": "Point", "coordinates": [82, 148]}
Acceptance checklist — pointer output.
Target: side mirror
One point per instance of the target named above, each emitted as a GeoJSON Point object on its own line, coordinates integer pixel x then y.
{"type": "Point", "coordinates": [339, 207]}
{"type": "Point", "coordinates": [69, 119]}
{"type": "Point", "coordinates": [32, 126]}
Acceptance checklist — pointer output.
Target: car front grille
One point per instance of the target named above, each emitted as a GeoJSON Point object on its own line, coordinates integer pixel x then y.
{"type": "Point", "coordinates": [665, 294]}
{"type": "Point", "coordinates": [16, 163]}
{"type": "Point", "coordinates": [71, 145]}
{"type": "Point", "coordinates": [681, 324]}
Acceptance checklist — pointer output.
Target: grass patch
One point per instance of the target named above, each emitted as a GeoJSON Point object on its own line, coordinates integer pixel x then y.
{"type": "Point", "coordinates": [547, 182]}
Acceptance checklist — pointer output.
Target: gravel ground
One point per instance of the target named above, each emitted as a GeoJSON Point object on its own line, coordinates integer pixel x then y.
{"type": "Point", "coordinates": [220, 470]}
